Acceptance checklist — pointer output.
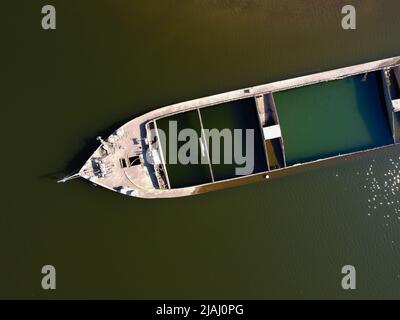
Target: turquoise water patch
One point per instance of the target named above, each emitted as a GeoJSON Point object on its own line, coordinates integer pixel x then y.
{"type": "Point", "coordinates": [333, 118]}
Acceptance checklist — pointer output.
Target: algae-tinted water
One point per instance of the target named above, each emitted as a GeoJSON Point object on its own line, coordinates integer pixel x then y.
{"type": "Point", "coordinates": [238, 115]}
{"type": "Point", "coordinates": [333, 118]}
{"type": "Point", "coordinates": [195, 172]}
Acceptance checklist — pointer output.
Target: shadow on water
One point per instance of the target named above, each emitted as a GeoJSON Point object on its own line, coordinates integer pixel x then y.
{"type": "Point", "coordinates": [89, 146]}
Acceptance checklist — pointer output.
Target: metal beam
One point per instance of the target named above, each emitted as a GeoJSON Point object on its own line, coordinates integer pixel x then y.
{"type": "Point", "coordinates": [162, 155]}
{"type": "Point", "coordinates": [205, 144]}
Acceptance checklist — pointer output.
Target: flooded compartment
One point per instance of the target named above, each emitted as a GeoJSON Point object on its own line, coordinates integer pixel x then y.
{"type": "Point", "coordinates": [180, 174]}
{"type": "Point", "coordinates": [333, 118]}
{"type": "Point", "coordinates": [240, 115]}
{"type": "Point", "coordinates": [224, 149]}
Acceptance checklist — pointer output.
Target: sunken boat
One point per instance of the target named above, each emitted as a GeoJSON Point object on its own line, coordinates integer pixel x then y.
{"type": "Point", "coordinates": [301, 121]}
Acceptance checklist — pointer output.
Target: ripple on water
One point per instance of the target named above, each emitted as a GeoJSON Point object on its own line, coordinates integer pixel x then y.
{"type": "Point", "coordinates": [384, 192]}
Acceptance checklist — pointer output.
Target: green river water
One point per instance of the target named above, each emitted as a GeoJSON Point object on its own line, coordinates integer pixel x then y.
{"type": "Point", "coordinates": [110, 61]}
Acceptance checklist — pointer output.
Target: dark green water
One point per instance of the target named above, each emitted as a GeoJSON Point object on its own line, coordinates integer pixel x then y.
{"type": "Point", "coordinates": [237, 115]}
{"type": "Point", "coordinates": [333, 118]}
{"type": "Point", "coordinates": [240, 115]}
{"type": "Point", "coordinates": [191, 174]}
{"type": "Point", "coordinates": [108, 62]}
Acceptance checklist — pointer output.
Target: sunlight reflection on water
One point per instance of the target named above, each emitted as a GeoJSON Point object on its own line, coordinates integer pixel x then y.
{"type": "Point", "coordinates": [384, 190]}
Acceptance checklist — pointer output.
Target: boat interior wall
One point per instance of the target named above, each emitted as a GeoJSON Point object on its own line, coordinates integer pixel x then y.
{"type": "Point", "coordinates": [394, 85]}
{"type": "Point", "coordinates": [157, 156]}
{"type": "Point", "coordinates": [396, 124]}
{"type": "Point", "coordinates": [388, 101]}
{"type": "Point", "coordinates": [275, 153]}
{"type": "Point", "coordinates": [397, 127]}
{"type": "Point", "coordinates": [396, 71]}
{"type": "Point", "coordinates": [261, 109]}
{"type": "Point", "coordinates": [152, 158]}
{"type": "Point", "coordinates": [266, 110]}
{"type": "Point", "coordinates": [391, 88]}
{"type": "Point", "coordinates": [269, 120]}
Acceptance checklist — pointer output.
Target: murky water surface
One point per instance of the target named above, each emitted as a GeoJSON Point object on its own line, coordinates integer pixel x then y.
{"type": "Point", "coordinates": [111, 61]}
